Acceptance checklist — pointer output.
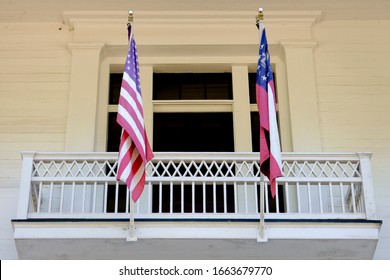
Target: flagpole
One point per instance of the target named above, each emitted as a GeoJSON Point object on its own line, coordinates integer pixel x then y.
{"type": "Point", "coordinates": [130, 236]}
{"type": "Point", "coordinates": [262, 236]}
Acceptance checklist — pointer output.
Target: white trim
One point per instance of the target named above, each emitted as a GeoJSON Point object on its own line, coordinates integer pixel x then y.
{"type": "Point", "coordinates": [197, 230]}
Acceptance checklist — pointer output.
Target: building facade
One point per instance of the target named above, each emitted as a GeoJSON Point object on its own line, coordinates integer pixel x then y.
{"type": "Point", "coordinates": [58, 84]}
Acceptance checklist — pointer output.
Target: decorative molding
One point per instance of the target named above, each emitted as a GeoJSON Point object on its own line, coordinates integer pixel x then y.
{"type": "Point", "coordinates": [87, 45]}
{"type": "Point", "coordinates": [299, 44]}
{"type": "Point", "coordinates": [190, 17]}
{"type": "Point", "coordinates": [202, 29]}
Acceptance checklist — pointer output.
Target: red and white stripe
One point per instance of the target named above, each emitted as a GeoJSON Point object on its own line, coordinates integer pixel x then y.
{"type": "Point", "coordinates": [270, 156]}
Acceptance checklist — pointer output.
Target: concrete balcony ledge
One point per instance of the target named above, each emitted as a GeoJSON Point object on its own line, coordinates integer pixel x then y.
{"type": "Point", "coordinates": [318, 239]}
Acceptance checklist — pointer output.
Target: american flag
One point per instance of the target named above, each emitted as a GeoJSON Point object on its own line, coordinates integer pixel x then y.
{"type": "Point", "coordinates": [270, 155]}
{"type": "Point", "coordinates": [134, 149]}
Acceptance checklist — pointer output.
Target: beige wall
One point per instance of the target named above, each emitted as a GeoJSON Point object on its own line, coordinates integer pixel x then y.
{"type": "Point", "coordinates": [353, 85]}
{"type": "Point", "coordinates": [34, 85]}
{"type": "Point", "coordinates": [346, 63]}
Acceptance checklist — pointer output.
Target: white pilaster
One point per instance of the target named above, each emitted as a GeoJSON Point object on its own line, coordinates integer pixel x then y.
{"type": "Point", "coordinates": [83, 92]}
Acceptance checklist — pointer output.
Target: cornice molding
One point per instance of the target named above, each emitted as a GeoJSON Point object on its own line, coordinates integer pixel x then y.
{"type": "Point", "coordinates": [201, 29]}
{"type": "Point", "coordinates": [72, 18]}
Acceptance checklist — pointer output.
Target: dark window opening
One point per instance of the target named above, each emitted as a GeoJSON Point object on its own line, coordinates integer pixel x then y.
{"type": "Point", "coordinates": [193, 132]}
{"type": "Point", "coordinates": [192, 86]}
{"type": "Point", "coordinates": [114, 133]}
{"type": "Point", "coordinates": [114, 88]}
{"type": "Point", "coordinates": [252, 87]}
{"type": "Point", "coordinates": [255, 127]}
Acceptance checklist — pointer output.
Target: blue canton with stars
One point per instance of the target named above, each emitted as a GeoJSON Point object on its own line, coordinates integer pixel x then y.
{"type": "Point", "coordinates": [264, 70]}
{"type": "Point", "coordinates": [131, 67]}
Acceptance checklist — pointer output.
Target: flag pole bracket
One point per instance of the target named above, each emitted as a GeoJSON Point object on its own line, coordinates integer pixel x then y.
{"type": "Point", "coordinates": [262, 237]}
{"type": "Point", "coordinates": [130, 233]}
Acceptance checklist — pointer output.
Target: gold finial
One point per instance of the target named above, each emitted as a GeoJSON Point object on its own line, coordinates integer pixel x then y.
{"type": "Point", "coordinates": [260, 16]}
{"type": "Point", "coordinates": [130, 18]}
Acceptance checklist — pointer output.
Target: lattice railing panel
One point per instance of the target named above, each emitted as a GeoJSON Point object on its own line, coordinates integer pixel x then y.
{"type": "Point", "coordinates": [199, 168]}
{"type": "Point", "coordinates": [321, 169]}
{"type": "Point", "coordinates": [74, 169]}
{"type": "Point", "coordinates": [203, 169]}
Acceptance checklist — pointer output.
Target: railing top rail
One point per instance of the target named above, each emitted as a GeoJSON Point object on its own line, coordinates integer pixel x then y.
{"type": "Point", "coordinates": [195, 156]}
{"type": "Point", "coordinates": [197, 180]}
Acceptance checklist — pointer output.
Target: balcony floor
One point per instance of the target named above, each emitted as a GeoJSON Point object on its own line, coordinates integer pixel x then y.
{"type": "Point", "coordinates": [106, 239]}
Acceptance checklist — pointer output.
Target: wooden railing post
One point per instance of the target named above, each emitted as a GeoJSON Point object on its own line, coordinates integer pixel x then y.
{"type": "Point", "coordinates": [368, 186]}
{"type": "Point", "coordinates": [25, 185]}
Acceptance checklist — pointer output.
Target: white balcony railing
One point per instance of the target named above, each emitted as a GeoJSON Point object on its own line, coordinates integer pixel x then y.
{"type": "Point", "coordinates": [196, 186]}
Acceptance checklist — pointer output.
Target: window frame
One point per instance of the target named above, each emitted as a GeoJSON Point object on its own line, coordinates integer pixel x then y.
{"type": "Point", "coordinates": [115, 65]}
